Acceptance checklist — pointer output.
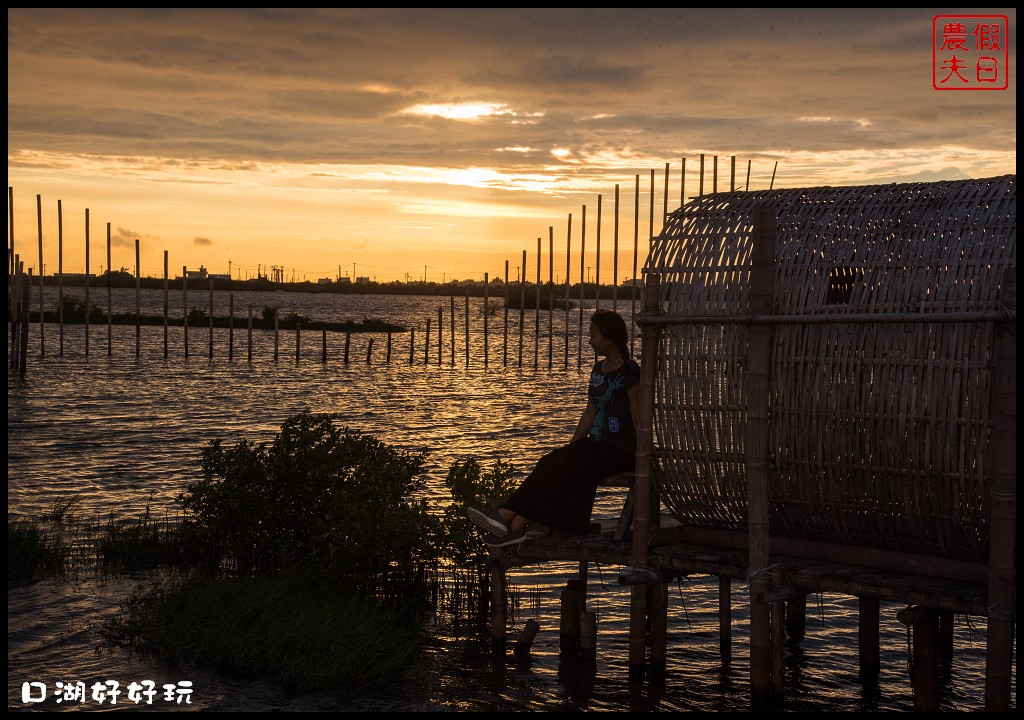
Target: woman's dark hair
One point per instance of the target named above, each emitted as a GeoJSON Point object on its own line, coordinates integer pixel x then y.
{"type": "Point", "coordinates": [613, 327]}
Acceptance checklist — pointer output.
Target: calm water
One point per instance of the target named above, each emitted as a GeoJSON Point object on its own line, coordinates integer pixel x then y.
{"type": "Point", "coordinates": [124, 432]}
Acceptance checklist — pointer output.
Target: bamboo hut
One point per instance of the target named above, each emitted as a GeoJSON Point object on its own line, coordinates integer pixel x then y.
{"type": "Point", "coordinates": [835, 378]}
{"type": "Point", "coordinates": [827, 404]}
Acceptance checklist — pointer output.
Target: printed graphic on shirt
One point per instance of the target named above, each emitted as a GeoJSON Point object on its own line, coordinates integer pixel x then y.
{"type": "Point", "coordinates": [602, 401]}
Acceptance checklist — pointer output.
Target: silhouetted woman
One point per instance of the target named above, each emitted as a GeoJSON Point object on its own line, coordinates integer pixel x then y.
{"type": "Point", "coordinates": [560, 491]}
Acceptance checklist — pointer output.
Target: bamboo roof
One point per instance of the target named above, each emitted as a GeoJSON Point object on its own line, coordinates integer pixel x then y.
{"type": "Point", "coordinates": [879, 431]}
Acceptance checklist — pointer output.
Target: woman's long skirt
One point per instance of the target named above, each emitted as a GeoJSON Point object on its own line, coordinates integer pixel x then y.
{"type": "Point", "coordinates": [560, 491]}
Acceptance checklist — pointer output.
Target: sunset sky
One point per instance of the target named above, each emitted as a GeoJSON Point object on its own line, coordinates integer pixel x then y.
{"type": "Point", "coordinates": [403, 143]}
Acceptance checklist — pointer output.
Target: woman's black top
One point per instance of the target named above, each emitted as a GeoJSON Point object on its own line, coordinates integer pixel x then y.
{"type": "Point", "coordinates": [613, 422]}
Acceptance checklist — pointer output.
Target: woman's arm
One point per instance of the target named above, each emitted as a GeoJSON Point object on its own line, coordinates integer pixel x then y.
{"type": "Point", "coordinates": [633, 393]}
{"type": "Point", "coordinates": [587, 419]}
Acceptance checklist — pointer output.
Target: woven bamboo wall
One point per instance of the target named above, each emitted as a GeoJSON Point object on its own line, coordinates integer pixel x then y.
{"type": "Point", "coordinates": [878, 431]}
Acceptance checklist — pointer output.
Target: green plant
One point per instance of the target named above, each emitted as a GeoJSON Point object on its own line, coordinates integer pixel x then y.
{"type": "Point", "coordinates": [340, 498]}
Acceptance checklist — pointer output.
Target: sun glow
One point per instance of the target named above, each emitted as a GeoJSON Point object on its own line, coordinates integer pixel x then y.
{"type": "Point", "coordinates": [459, 111]}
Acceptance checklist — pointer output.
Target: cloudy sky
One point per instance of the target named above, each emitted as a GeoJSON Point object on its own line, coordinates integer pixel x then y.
{"type": "Point", "coordinates": [402, 143]}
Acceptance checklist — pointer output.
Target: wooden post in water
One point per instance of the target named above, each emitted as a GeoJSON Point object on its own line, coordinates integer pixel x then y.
{"type": "Point", "coordinates": [210, 353]}
{"type": "Point", "coordinates": [522, 307]}
{"type": "Point", "coordinates": [426, 344]}
{"type": "Point", "coordinates": [664, 199]}
{"type": "Point", "coordinates": [536, 315]}
{"type": "Point", "coordinates": [323, 357]}
{"type": "Point", "coordinates": [138, 300]}
{"type": "Point", "coordinates": [551, 295]}
{"type": "Point", "coordinates": [88, 307]}
{"type": "Point", "coordinates": [166, 306]}
{"type": "Point", "coordinates": [643, 477]}
{"type": "Point", "coordinates": [110, 310]}
{"type": "Point", "coordinates": [451, 302]}
{"type": "Point", "coordinates": [369, 350]}
{"type": "Point", "coordinates": [505, 341]}
{"type": "Point", "coordinates": [868, 646]}
{"type": "Point", "coordinates": [571, 605]}
{"type": "Point", "coordinates": [597, 259]}
{"type": "Point", "coordinates": [298, 341]}
{"type": "Point", "coordinates": [924, 663]}
{"type": "Point", "coordinates": [277, 336]}
{"type": "Point", "coordinates": [487, 314]}
{"type": "Point", "coordinates": [184, 300]}
{"type": "Point", "coordinates": [440, 337]}
{"type": "Point", "coordinates": [636, 245]}
{"type": "Point", "coordinates": [725, 619]}
{"type": "Point", "coordinates": [412, 343]}
{"type": "Point", "coordinates": [348, 343]}
{"type": "Point", "coordinates": [583, 284]}
{"type": "Point", "coordinates": [249, 340]}
{"type": "Point", "coordinates": [568, 253]}
{"type": "Point", "coordinates": [796, 617]}
{"type": "Point", "coordinates": [231, 326]}
{"type": "Point", "coordinates": [1003, 509]}
{"type": "Point", "coordinates": [26, 300]}
{"type": "Point", "coordinates": [42, 311]}
{"type": "Point", "coordinates": [467, 324]}
{"type": "Point", "coordinates": [60, 277]}
{"type": "Point", "coordinates": [387, 358]}
{"type": "Point", "coordinates": [615, 254]}
{"type": "Point", "coordinates": [756, 461]}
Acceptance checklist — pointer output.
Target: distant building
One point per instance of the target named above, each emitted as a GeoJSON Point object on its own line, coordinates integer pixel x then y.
{"type": "Point", "coordinates": [362, 280]}
{"type": "Point", "coordinates": [324, 281]}
{"type": "Point", "coordinates": [203, 274]}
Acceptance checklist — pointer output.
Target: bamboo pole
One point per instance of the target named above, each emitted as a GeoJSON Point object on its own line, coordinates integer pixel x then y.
{"type": "Point", "coordinates": [110, 309]}
{"type": "Point", "coordinates": [451, 299]}
{"type": "Point", "coordinates": [467, 320]}
{"type": "Point", "coordinates": [700, 189]}
{"type": "Point", "coordinates": [249, 339]}
{"type": "Point", "coordinates": [348, 343]}
{"type": "Point", "coordinates": [440, 337]}
{"type": "Point", "coordinates": [522, 307]}
{"type": "Point", "coordinates": [682, 183]}
{"type": "Point", "coordinates": [642, 480]}
{"type": "Point", "coordinates": [387, 357]}
{"type": "Point", "coordinates": [87, 305]}
{"type": "Point", "coordinates": [664, 199]}
{"type": "Point", "coordinates": [756, 461]}
{"type": "Point", "coordinates": [505, 342]}
{"type": "Point", "coordinates": [615, 254]}
{"type": "Point", "coordinates": [714, 166]}
{"type": "Point", "coordinates": [277, 333]}
{"type": "Point", "coordinates": [42, 316]}
{"type": "Point", "coordinates": [210, 352]}
{"type": "Point", "coordinates": [568, 257]}
{"type": "Point", "coordinates": [26, 299]}
{"type": "Point", "coordinates": [369, 350]}
{"type": "Point", "coordinates": [1003, 510]}
{"type": "Point", "coordinates": [298, 341]}
{"type": "Point", "coordinates": [60, 276]}
{"type": "Point", "coordinates": [184, 318]}
{"type": "Point", "coordinates": [732, 173]}
{"type": "Point", "coordinates": [231, 327]}
{"type": "Point", "coordinates": [487, 314]}
{"type": "Point", "coordinates": [551, 295]}
{"type": "Point", "coordinates": [412, 343]}
{"type": "Point", "coordinates": [583, 261]}
{"type": "Point", "coordinates": [138, 300]}
{"type": "Point", "coordinates": [323, 345]}
{"type": "Point", "coordinates": [166, 306]}
{"type": "Point", "coordinates": [597, 259]}
{"type": "Point", "coordinates": [426, 344]}
{"type": "Point", "coordinates": [746, 186]}
{"type": "Point", "coordinates": [536, 314]}
{"type": "Point", "coordinates": [636, 247]}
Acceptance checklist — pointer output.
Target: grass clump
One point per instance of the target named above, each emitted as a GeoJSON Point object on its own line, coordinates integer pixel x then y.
{"type": "Point", "coordinates": [294, 627]}
{"type": "Point", "coordinates": [32, 551]}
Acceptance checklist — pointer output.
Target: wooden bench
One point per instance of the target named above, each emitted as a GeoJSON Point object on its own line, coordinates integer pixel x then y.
{"type": "Point", "coordinates": [622, 480]}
